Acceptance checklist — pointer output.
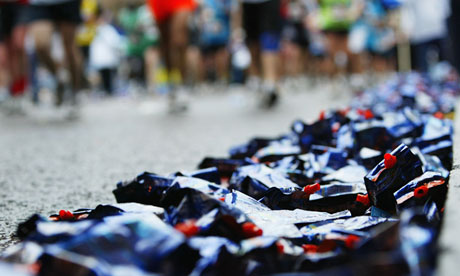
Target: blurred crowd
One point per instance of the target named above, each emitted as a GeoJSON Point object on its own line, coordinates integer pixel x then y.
{"type": "Point", "coordinates": [57, 48]}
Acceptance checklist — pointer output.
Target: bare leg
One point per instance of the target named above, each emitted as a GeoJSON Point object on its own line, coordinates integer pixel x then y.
{"type": "Point", "coordinates": [17, 53]}
{"type": "Point", "coordinates": [174, 40]}
{"type": "Point", "coordinates": [179, 41]}
{"type": "Point", "coordinates": [17, 57]}
{"type": "Point", "coordinates": [293, 60]}
{"type": "Point", "coordinates": [42, 32]}
{"type": "Point", "coordinates": [72, 54]}
{"type": "Point", "coordinates": [270, 69]}
{"type": "Point", "coordinates": [151, 63]}
{"type": "Point", "coordinates": [164, 43]}
{"type": "Point", "coordinates": [339, 50]}
{"type": "Point", "coordinates": [355, 63]}
{"type": "Point", "coordinates": [4, 67]}
{"type": "Point", "coordinates": [195, 65]}
{"type": "Point", "coordinates": [222, 64]}
{"type": "Point", "coordinates": [254, 68]}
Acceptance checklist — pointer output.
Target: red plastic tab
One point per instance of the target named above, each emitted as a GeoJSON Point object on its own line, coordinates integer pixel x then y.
{"type": "Point", "coordinates": [368, 114]}
{"type": "Point", "coordinates": [188, 228]}
{"type": "Point", "coordinates": [311, 189]}
{"type": "Point", "coordinates": [280, 247]}
{"type": "Point", "coordinates": [351, 241]}
{"type": "Point", "coordinates": [65, 215]}
{"type": "Point", "coordinates": [251, 230]}
{"type": "Point", "coordinates": [364, 199]}
{"type": "Point", "coordinates": [310, 248]}
{"type": "Point", "coordinates": [389, 160]}
{"type": "Point", "coordinates": [322, 115]}
{"type": "Point", "coordinates": [421, 191]}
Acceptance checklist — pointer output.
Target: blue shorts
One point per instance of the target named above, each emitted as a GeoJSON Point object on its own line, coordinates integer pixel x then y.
{"type": "Point", "coordinates": [263, 23]}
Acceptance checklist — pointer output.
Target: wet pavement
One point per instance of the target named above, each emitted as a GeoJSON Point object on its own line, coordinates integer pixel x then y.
{"type": "Point", "coordinates": [48, 163]}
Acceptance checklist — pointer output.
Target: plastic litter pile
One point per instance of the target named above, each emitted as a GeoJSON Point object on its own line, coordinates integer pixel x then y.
{"type": "Point", "coordinates": [358, 191]}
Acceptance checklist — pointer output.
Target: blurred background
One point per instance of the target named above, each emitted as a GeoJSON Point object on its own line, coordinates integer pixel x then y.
{"type": "Point", "coordinates": [54, 51]}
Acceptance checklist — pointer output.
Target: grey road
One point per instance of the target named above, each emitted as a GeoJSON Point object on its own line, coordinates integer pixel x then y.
{"type": "Point", "coordinates": [48, 163]}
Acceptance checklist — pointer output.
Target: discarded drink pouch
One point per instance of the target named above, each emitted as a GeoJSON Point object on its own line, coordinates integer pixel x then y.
{"type": "Point", "coordinates": [244, 202]}
{"type": "Point", "coordinates": [199, 185]}
{"type": "Point", "coordinates": [430, 179]}
{"type": "Point", "coordinates": [383, 178]}
{"type": "Point", "coordinates": [12, 269]}
{"type": "Point", "coordinates": [339, 188]}
{"type": "Point", "coordinates": [212, 252]}
{"type": "Point", "coordinates": [208, 174]}
{"type": "Point", "coordinates": [225, 167]}
{"type": "Point", "coordinates": [281, 223]}
{"type": "Point", "coordinates": [146, 188]}
{"type": "Point", "coordinates": [275, 152]}
{"type": "Point", "coordinates": [351, 224]}
{"type": "Point", "coordinates": [250, 148]}
{"type": "Point", "coordinates": [254, 180]}
{"type": "Point", "coordinates": [348, 174]}
{"type": "Point", "coordinates": [369, 157]}
{"type": "Point", "coordinates": [431, 163]}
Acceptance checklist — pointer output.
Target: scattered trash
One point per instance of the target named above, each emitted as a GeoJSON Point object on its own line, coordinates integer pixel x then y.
{"type": "Point", "coordinates": [355, 191]}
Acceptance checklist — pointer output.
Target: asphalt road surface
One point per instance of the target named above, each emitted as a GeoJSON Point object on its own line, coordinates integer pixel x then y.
{"type": "Point", "coordinates": [48, 163]}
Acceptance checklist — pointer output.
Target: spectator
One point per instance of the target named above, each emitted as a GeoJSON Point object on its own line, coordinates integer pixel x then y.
{"type": "Point", "coordinates": [87, 30]}
{"type": "Point", "coordinates": [105, 52]}
{"type": "Point", "coordinates": [425, 22]}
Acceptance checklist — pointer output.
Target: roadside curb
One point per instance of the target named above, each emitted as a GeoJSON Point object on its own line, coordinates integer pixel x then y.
{"type": "Point", "coordinates": [449, 240]}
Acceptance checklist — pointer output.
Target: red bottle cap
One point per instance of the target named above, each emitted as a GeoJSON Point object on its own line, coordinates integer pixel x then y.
{"type": "Point", "coordinates": [364, 199]}
{"type": "Point", "coordinates": [368, 114]}
{"type": "Point", "coordinates": [421, 191]}
{"type": "Point", "coordinates": [251, 230]}
{"type": "Point", "coordinates": [351, 241]}
{"type": "Point", "coordinates": [327, 246]}
{"type": "Point", "coordinates": [188, 228]}
{"type": "Point", "coordinates": [322, 115]}
{"type": "Point", "coordinates": [311, 189]}
{"type": "Point", "coordinates": [389, 160]}
{"type": "Point", "coordinates": [280, 247]}
{"type": "Point", "coordinates": [310, 248]}
{"type": "Point", "coordinates": [65, 215]}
